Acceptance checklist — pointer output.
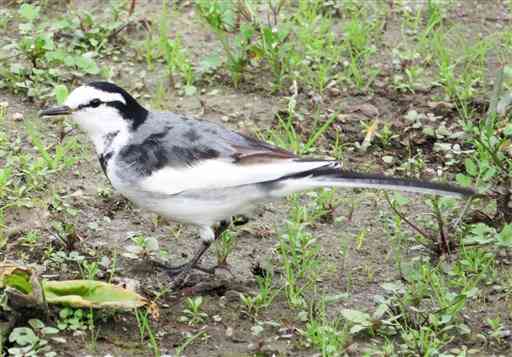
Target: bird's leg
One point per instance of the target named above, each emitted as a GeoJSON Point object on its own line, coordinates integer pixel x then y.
{"type": "Point", "coordinates": [208, 235]}
{"type": "Point", "coordinates": [218, 230]}
{"type": "Point", "coordinates": [188, 266]}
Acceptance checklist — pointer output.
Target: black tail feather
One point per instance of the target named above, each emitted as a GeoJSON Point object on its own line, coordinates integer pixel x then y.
{"type": "Point", "coordinates": [333, 173]}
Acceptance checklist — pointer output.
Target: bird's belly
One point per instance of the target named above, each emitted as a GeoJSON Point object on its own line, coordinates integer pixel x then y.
{"type": "Point", "coordinates": [199, 207]}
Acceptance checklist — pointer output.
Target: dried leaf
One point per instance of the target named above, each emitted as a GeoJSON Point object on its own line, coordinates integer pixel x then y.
{"type": "Point", "coordinates": [25, 290]}
{"type": "Point", "coordinates": [91, 293]}
{"type": "Point", "coordinates": [370, 134]}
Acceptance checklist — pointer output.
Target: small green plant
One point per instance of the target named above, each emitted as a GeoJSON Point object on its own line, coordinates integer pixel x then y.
{"type": "Point", "coordinates": [357, 43]}
{"type": "Point", "coordinates": [192, 314]}
{"type": "Point", "coordinates": [48, 50]}
{"type": "Point", "coordinates": [299, 48]}
{"type": "Point", "coordinates": [224, 246]}
{"type": "Point", "coordinates": [478, 263]}
{"type": "Point", "coordinates": [143, 247]}
{"type": "Point", "coordinates": [423, 341]}
{"type": "Point", "coordinates": [66, 233]}
{"type": "Point", "coordinates": [325, 203]}
{"type": "Point", "coordinates": [221, 17]}
{"type": "Point", "coordinates": [498, 330]}
{"type": "Point", "coordinates": [93, 330]}
{"type": "Point", "coordinates": [440, 238]}
{"type": "Point", "coordinates": [89, 270]}
{"type": "Point", "coordinates": [286, 135]}
{"type": "Point", "coordinates": [313, 51]}
{"type": "Point", "coordinates": [61, 158]}
{"type": "Point", "coordinates": [264, 297]}
{"type": "Point", "coordinates": [31, 238]}
{"type": "Point", "coordinates": [32, 341]}
{"type": "Point", "coordinates": [275, 48]}
{"type": "Point", "coordinates": [488, 167]}
{"type": "Point", "coordinates": [96, 34]}
{"type": "Point", "coordinates": [386, 135]}
{"type": "Point", "coordinates": [363, 322]}
{"type": "Point", "coordinates": [72, 319]}
{"type": "Point", "coordinates": [298, 251]}
{"type": "Point", "coordinates": [5, 18]}
{"type": "Point", "coordinates": [175, 55]}
{"type": "Point", "coordinates": [329, 336]}
{"type": "Point", "coordinates": [435, 13]}
{"type": "Point", "coordinates": [177, 62]}
{"type": "Point", "coordinates": [144, 325]}
{"type": "Point", "coordinates": [188, 341]}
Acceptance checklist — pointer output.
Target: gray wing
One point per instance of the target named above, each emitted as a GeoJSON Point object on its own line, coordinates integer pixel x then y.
{"type": "Point", "coordinates": [169, 140]}
{"type": "Point", "coordinates": [175, 155]}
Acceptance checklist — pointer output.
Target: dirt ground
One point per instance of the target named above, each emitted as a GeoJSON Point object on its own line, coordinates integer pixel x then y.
{"type": "Point", "coordinates": [105, 222]}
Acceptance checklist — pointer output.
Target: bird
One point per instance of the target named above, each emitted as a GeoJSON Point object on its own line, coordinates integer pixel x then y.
{"type": "Point", "coordinates": [197, 172]}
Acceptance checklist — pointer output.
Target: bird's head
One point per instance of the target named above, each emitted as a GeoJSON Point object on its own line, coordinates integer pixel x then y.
{"type": "Point", "coordinates": [101, 108]}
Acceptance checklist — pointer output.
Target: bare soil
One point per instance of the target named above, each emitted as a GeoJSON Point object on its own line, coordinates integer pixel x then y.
{"type": "Point", "coordinates": [105, 223]}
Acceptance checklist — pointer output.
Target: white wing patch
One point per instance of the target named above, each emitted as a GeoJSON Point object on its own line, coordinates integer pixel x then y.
{"type": "Point", "coordinates": [218, 173]}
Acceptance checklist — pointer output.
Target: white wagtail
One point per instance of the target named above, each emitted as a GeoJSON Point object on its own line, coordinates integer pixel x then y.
{"type": "Point", "coordinates": [201, 173]}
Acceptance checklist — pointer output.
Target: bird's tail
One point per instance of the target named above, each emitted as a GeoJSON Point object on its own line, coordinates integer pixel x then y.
{"type": "Point", "coordinates": [333, 175]}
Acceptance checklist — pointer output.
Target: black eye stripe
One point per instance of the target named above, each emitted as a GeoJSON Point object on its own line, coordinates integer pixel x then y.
{"type": "Point", "coordinates": [114, 103]}
{"type": "Point", "coordinates": [91, 104]}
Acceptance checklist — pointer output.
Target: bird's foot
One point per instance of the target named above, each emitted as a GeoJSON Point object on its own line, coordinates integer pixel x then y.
{"type": "Point", "coordinates": [180, 273]}
{"type": "Point", "coordinates": [174, 271]}
{"type": "Point", "coordinates": [223, 266]}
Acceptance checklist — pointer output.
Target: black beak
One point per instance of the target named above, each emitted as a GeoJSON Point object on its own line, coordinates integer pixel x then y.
{"type": "Point", "coordinates": [62, 110]}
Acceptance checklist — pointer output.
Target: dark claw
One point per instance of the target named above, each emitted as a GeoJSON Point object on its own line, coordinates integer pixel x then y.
{"type": "Point", "coordinates": [223, 266]}
{"type": "Point", "coordinates": [171, 270]}
{"type": "Point", "coordinates": [210, 271]}
{"type": "Point", "coordinates": [240, 220]}
{"type": "Point", "coordinates": [181, 273]}
{"type": "Point", "coordinates": [174, 271]}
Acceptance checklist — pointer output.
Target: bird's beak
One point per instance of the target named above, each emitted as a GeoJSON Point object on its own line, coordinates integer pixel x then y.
{"type": "Point", "coordinates": [61, 110]}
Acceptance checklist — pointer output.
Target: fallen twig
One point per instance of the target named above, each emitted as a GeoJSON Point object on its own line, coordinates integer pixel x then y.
{"type": "Point", "coordinates": [402, 217]}
{"type": "Point", "coordinates": [444, 244]}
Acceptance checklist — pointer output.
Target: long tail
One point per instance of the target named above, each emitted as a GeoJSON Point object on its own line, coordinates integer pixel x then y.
{"type": "Point", "coordinates": [332, 175]}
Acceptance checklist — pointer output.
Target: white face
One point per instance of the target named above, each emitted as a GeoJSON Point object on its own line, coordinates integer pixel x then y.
{"type": "Point", "coordinates": [95, 117]}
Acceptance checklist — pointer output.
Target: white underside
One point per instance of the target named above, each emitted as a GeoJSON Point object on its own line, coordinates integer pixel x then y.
{"type": "Point", "coordinates": [214, 190]}
{"type": "Point", "coordinates": [209, 206]}
{"type": "Point", "coordinates": [200, 207]}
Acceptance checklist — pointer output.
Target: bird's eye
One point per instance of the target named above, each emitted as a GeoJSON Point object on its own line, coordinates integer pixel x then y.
{"type": "Point", "coordinates": [95, 103]}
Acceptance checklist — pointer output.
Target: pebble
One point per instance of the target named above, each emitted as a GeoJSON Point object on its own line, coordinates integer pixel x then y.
{"type": "Point", "coordinates": [317, 99]}
{"type": "Point", "coordinates": [505, 333]}
{"type": "Point", "coordinates": [17, 116]}
{"type": "Point", "coordinates": [495, 289]}
{"type": "Point", "coordinates": [333, 92]}
{"type": "Point", "coordinates": [232, 296]}
{"type": "Point", "coordinates": [217, 318]}
{"type": "Point", "coordinates": [342, 118]}
{"type": "Point", "coordinates": [388, 159]}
